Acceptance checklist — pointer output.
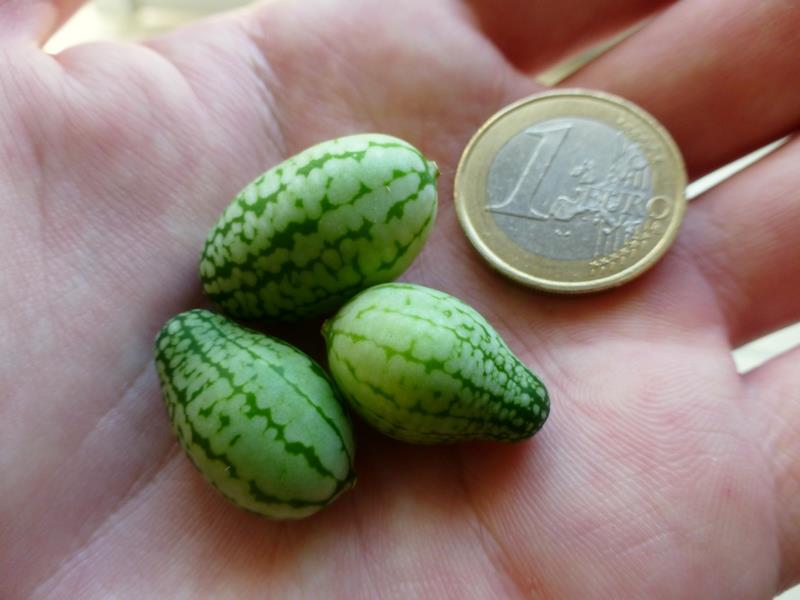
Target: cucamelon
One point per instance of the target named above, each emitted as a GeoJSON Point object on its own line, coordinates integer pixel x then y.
{"type": "Point", "coordinates": [257, 417]}
{"type": "Point", "coordinates": [316, 229]}
{"type": "Point", "coordinates": [422, 366]}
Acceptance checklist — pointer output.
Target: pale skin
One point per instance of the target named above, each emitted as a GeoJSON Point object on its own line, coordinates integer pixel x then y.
{"type": "Point", "coordinates": [662, 472]}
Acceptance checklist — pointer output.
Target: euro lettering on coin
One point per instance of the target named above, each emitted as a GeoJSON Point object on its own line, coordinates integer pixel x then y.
{"type": "Point", "coordinates": [571, 191]}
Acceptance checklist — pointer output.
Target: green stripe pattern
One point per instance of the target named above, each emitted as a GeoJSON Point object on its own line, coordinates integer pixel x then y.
{"type": "Point", "coordinates": [259, 419]}
{"type": "Point", "coordinates": [310, 233]}
{"type": "Point", "coordinates": [423, 367]}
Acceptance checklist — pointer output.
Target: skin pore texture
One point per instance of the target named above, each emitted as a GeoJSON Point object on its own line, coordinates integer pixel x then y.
{"type": "Point", "coordinates": [661, 472]}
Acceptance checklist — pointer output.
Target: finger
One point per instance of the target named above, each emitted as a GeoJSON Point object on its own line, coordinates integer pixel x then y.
{"type": "Point", "coordinates": [432, 79]}
{"type": "Point", "coordinates": [722, 76]}
{"type": "Point", "coordinates": [34, 20]}
{"type": "Point", "coordinates": [742, 235]}
{"type": "Point", "coordinates": [533, 35]}
{"type": "Point", "coordinates": [775, 392]}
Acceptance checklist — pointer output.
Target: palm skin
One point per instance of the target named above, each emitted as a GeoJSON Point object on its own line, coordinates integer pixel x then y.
{"type": "Point", "coordinates": [654, 477]}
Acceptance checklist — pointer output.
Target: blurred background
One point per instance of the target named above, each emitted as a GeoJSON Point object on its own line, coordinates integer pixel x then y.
{"type": "Point", "coordinates": [136, 19]}
{"type": "Point", "coordinates": [132, 19]}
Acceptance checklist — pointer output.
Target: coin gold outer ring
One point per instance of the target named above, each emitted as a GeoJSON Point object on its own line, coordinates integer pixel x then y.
{"type": "Point", "coordinates": [568, 276]}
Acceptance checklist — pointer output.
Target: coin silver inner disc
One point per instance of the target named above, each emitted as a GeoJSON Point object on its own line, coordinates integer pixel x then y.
{"type": "Point", "coordinates": [570, 188]}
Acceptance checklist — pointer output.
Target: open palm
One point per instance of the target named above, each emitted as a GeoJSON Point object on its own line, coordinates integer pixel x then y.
{"type": "Point", "coordinates": [662, 473]}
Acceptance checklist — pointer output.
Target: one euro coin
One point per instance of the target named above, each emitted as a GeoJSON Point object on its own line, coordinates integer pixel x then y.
{"type": "Point", "coordinates": [571, 191]}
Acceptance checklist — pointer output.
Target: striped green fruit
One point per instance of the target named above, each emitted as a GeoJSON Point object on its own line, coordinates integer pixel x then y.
{"type": "Point", "coordinates": [257, 417]}
{"type": "Point", "coordinates": [422, 366]}
{"type": "Point", "coordinates": [316, 229]}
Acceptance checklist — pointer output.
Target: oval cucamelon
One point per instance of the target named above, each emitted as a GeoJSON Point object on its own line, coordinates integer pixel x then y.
{"type": "Point", "coordinates": [314, 230]}
{"type": "Point", "coordinates": [422, 366]}
{"type": "Point", "coordinates": [257, 417]}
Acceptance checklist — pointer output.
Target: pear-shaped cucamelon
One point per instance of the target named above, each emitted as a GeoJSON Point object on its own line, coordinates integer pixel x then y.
{"type": "Point", "coordinates": [257, 417]}
{"type": "Point", "coordinates": [422, 366]}
{"type": "Point", "coordinates": [313, 231]}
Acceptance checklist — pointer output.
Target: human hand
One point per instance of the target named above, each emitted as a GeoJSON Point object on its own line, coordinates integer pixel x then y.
{"type": "Point", "coordinates": [662, 473]}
